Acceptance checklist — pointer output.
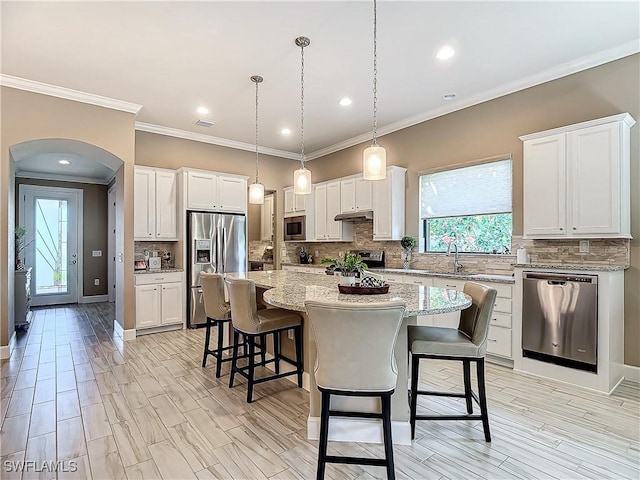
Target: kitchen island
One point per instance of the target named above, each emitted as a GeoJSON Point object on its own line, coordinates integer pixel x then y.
{"type": "Point", "coordinates": [289, 290]}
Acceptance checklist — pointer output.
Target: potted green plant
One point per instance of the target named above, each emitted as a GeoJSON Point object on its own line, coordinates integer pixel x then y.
{"type": "Point", "coordinates": [348, 265]}
{"type": "Point", "coordinates": [407, 243]}
{"type": "Point", "coordinates": [20, 242]}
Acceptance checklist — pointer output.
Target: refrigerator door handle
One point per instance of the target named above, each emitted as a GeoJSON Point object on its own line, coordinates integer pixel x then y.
{"type": "Point", "coordinates": [224, 250]}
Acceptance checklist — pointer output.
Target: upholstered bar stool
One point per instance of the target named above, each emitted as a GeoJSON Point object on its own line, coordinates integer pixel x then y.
{"type": "Point", "coordinates": [218, 313]}
{"type": "Point", "coordinates": [467, 343]}
{"type": "Point", "coordinates": [253, 323]}
{"type": "Point", "coordinates": [355, 357]}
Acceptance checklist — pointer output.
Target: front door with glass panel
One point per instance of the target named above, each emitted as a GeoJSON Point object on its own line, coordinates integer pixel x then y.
{"type": "Point", "coordinates": [50, 216]}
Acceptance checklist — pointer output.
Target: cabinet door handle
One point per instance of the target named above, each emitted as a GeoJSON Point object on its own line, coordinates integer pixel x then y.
{"type": "Point", "coordinates": [560, 228]}
{"type": "Point", "coordinates": [574, 228]}
{"type": "Point", "coordinates": [491, 340]}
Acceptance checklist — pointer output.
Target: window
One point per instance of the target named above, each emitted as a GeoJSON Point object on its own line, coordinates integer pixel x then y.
{"type": "Point", "coordinates": [468, 205]}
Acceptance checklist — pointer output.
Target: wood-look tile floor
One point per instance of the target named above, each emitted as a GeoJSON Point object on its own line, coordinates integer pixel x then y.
{"type": "Point", "coordinates": [73, 391]}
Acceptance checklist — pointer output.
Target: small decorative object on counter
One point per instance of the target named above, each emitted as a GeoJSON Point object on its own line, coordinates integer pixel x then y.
{"type": "Point", "coordinates": [407, 243]}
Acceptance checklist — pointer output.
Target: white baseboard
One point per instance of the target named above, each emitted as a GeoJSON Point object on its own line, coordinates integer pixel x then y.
{"type": "Point", "coordinates": [129, 335]}
{"type": "Point", "coordinates": [5, 350]}
{"type": "Point", "coordinates": [117, 328]}
{"type": "Point", "coordinates": [146, 331]}
{"type": "Point", "coordinates": [126, 335]}
{"type": "Point", "coordinates": [631, 373]}
{"type": "Point", "coordinates": [343, 429]}
{"type": "Point", "coordinates": [93, 299]}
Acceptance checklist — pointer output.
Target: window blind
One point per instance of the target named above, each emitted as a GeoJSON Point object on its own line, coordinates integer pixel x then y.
{"type": "Point", "coordinates": [476, 190]}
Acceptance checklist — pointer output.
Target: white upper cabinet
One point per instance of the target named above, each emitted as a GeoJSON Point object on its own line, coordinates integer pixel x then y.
{"type": "Point", "coordinates": [388, 205]}
{"type": "Point", "coordinates": [266, 219]}
{"type": "Point", "coordinates": [327, 206]}
{"type": "Point", "coordinates": [545, 186]}
{"type": "Point", "coordinates": [577, 180]}
{"type": "Point", "coordinates": [294, 204]}
{"type": "Point", "coordinates": [155, 207]}
{"type": "Point", "coordinates": [355, 195]}
{"type": "Point", "coordinates": [144, 204]}
{"type": "Point", "coordinates": [334, 229]}
{"type": "Point", "coordinates": [216, 192]}
{"type": "Point", "coordinates": [232, 194]}
{"type": "Point", "coordinates": [166, 221]}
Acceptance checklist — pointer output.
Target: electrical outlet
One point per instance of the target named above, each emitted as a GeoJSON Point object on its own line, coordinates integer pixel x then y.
{"type": "Point", "coordinates": [290, 334]}
{"type": "Point", "coordinates": [96, 281]}
{"type": "Point", "coordinates": [584, 246]}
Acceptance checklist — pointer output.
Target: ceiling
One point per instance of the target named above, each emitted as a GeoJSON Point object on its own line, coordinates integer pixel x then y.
{"type": "Point", "coordinates": [171, 57]}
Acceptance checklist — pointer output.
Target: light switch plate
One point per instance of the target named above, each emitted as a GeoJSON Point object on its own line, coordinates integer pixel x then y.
{"type": "Point", "coordinates": [584, 246]}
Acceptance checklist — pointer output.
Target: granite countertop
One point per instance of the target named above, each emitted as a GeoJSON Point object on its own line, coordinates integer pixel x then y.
{"type": "Point", "coordinates": [430, 273]}
{"type": "Point", "coordinates": [569, 266]}
{"type": "Point", "coordinates": [289, 290]}
{"type": "Point", "coordinates": [462, 276]}
{"type": "Point", "coordinates": [164, 270]}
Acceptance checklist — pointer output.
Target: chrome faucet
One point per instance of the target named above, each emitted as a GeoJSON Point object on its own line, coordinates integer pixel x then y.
{"type": "Point", "coordinates": [457, 266]}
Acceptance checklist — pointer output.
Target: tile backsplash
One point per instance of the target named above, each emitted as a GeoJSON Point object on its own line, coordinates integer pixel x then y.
{"type": "Point", "coordinates": [613, 251]}
{"type": "Point", "coordinates": [160, 247]}
{"type": "Point", "coordinates": [257, 248]}
{"type": "Point", "coordinates": [601, 251]}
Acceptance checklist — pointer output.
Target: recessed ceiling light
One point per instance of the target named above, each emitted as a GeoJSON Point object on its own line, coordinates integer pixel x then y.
{"type": "Point", "coordinates": [203, 110]}
{"type": "Point", "coordinates": [449, 96]}
{"type": "Point", "coordinates": [345, 102]}
{"type": "Point", "coordinates": [445, 52]}
{"type": "Point", "coordinates": [285, 131]}
{"type": "Point", "coordinates": [64, 162]}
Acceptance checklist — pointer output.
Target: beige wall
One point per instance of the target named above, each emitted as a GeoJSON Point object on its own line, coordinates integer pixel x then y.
{"type": "Point", "coordinates": [30, 116]}
{"type": "Point", "coordinates": [94, 230]}
{"type": "Point", "coordinates": [492, 128]}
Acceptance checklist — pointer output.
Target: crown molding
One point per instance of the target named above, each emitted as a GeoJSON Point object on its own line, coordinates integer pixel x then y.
{"type": "Point", "coordinates": [64, 178]}
{"type": "Point", "coordinates": [223, 142]}
{"type": "Point", "coordinates": [569, 68]}
{"type": "Point", "coordinates": [68, 94]}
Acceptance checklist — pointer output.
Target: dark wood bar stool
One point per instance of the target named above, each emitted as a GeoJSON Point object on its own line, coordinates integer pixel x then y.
{"type": "Point", "coordinates": [247, 320]}
{"type": "Point", "coordinates": [466, 344]}
{"type": "Point", "coordinates": [355, 357]}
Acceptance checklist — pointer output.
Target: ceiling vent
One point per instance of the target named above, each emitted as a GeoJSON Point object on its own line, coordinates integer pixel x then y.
{"type": "Point", "coordinates": [205, 123]}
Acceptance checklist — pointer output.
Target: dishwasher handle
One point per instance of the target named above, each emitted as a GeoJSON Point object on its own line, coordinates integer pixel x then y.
{"type": "Point", "coordinates": [560, 279]}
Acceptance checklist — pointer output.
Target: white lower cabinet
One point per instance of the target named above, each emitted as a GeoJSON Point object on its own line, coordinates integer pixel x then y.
{"type": "Point", "coordinates": [452, 286]}
{"type": "Point", "coordinates": [159, 299]}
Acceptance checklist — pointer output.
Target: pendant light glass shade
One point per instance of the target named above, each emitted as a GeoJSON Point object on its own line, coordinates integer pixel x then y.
{"type": "Point", "coordinates": [256, 194]}
{"type": "Point", "coordinates": [374, 163]}
{"type": "Point", "coordinates": [374, 158]}
{"type": "Point", "coordinates": [256, 189]}
{"type": "Point", "coordinates": [302, 176]}
{"type": "Point", "coordinates": [302, 181]}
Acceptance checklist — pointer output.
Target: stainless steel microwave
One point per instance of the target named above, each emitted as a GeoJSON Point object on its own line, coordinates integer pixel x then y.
{"type": "Point", "coordinates": [294, 228]}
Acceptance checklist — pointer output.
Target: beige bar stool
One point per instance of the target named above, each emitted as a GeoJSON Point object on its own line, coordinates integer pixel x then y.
{"type": "Point", "coordinates": [218, 313]}
{"type": "Point", "coordinates": [253, 323]}
{"type": "Point", "coordinates": [355, 357]}
{"type": "Point", "coordinates": [467, 343]}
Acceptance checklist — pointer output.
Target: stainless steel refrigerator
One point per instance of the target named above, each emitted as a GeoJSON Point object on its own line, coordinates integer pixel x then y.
{"type": "Point", "coordinates": [216, 244]}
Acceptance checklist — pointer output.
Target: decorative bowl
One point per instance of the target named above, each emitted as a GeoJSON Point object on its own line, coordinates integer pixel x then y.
{"type": "Point", "coordinates": [358, 290]}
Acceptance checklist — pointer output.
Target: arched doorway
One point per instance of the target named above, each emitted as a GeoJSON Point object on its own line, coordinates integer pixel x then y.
{"type": "Point", "coordinates": [62, 199]}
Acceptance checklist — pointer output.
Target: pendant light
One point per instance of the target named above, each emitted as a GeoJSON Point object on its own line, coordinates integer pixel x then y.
{"type": "Point", "coordinates": [374, 158]}
{"type": "Point", "coordinates": [302, 176]}
{"type": "Point", "coordinates": [256, 189]}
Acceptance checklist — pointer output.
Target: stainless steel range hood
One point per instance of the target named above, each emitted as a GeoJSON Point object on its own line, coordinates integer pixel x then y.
{"type": "Point", "coordinates": [355, 216]}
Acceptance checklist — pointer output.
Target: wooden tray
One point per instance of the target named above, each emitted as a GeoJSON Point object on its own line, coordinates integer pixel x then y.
{"type": "Point", "coordinates": [358, 290]}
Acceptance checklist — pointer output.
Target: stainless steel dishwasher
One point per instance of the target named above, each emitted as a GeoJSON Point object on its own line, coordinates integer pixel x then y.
{"type": "Point", "coordinates": [560, 319]}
